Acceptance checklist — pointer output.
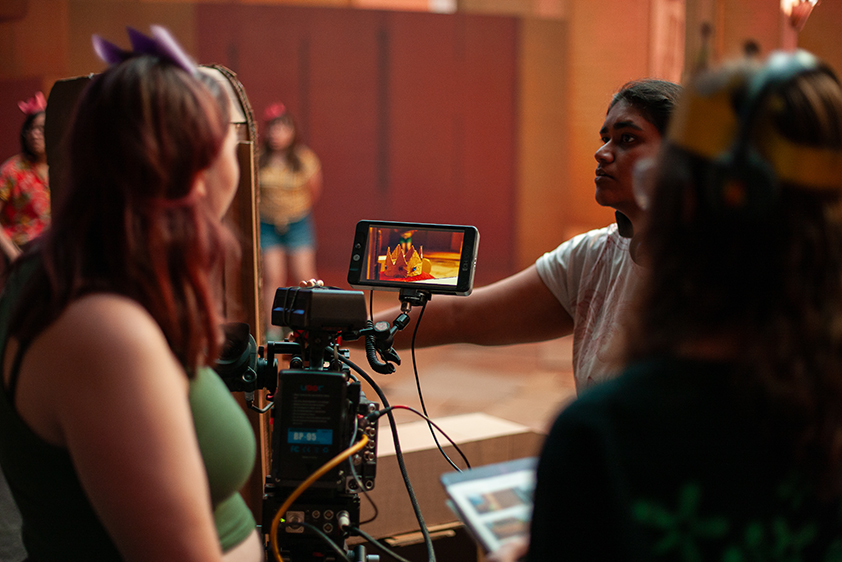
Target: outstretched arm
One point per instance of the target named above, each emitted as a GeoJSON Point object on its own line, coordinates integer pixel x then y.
{"type": "Point", "coordinates": [517, 309]}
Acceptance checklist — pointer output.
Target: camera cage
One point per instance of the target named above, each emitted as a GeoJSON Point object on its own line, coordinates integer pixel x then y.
{"type": "Point", "coordinates": [319, 411]}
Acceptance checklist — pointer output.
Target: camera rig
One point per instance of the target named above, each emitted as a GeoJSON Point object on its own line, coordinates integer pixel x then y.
{"type": "Point", "coordinates": [318, 410]}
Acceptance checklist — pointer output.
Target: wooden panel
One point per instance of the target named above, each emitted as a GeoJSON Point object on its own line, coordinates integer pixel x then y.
{"type": "Point", "coordinates": [821, 34]}
{"type": "Point", "coordinates": [452, 107]}
{"type": "Point", "coordinates": [424, 118]}
{"type": "Point", "coordinates": [412, 115]}
{"type": "Point", "coordinates": [542, 209]}
{"type": "Point", "coordinates": [346, 124]}
{"type": "Point", "coordinates": [488, 145]}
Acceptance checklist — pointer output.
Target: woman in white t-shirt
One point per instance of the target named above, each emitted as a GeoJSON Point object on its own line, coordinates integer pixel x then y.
{"type": "Point", "coordinates": [581, 287]}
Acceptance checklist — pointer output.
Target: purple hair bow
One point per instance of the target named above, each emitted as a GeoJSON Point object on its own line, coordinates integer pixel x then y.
{"type": "Point", "coordinates": [162, 45]}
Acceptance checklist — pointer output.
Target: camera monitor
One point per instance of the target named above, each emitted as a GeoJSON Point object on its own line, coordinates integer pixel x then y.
{"type": "Point", "coordinates": [439, 258]}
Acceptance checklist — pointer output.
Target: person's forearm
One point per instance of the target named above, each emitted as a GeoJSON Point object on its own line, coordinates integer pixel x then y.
{"type": "Point", "coordinates": [517, 309]}
{"type": "Point", "coordinates": [437, 325]}
{"type": "Point", "coordinates": [9, 248]}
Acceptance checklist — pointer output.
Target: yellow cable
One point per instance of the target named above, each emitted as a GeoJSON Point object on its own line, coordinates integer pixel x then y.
{"type": "Point", "coordinates": [276, 521]}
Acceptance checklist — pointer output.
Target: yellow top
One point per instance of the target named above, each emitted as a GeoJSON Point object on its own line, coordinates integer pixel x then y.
{"type": "Point", "coordinates": [284, 194]}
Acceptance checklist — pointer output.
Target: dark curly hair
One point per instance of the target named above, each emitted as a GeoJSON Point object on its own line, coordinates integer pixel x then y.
{"type": "Point", "coordinates": [25, 149]}
{"type": "Point", "coordinates": [765, 288]}
{"type": "Point", "coordinates": [656, 99]}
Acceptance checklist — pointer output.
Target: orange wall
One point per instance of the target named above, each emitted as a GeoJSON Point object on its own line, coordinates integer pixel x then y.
{"type": "Point", "coordinates": [542, 214]}
{"type": "Point", "coordinates": [608, 46]}
{"type": "Point", "coordinates": [823, 33]}
{"type": "Point", "coordinates": [567, 67]}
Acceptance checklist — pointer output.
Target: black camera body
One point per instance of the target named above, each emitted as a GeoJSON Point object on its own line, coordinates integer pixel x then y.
{"type": "Point", "coordinates": [318, 411]}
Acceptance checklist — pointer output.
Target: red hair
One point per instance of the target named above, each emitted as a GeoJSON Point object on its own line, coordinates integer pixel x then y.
{"type": "Point", "coordinates": [126, 220]}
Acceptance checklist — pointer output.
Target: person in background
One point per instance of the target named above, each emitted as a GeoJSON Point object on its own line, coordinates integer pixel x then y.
{"type": "Point", "coordinates": [290, 179]}
{"type": "Point", "coordinates": [583, 286]}
{"type": "Point", "coordinates": [722, 439]}
{"type": "Point", "coordinates": [118, 441]}
{"type": "Point", "coordinates": [24, 183]}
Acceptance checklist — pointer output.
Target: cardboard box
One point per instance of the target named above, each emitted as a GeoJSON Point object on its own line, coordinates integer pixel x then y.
{"type": "Point", "coordinates": [483, 438]}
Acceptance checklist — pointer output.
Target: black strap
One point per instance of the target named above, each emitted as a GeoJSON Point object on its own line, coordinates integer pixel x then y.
{"type": "Point", "coordinates": [15, 372]}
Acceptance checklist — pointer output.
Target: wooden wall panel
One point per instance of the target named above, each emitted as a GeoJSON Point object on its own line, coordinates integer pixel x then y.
{"type": "Point", "coordinates": [424, 118]}
{"type": "Point", "coordinates": [821, 34]}
{"type": "Point", "coordinates": [453, 127]}
{"type": "Point", "coordinates": [489, 161]}
{"type": "Point", "coordinates": [345, 95]}
{"type": "Point", "coordinates": [412, 115]}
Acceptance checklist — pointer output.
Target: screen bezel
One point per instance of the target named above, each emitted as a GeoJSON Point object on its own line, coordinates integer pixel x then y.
{"type": "Point", "coordinates": [467, 259]}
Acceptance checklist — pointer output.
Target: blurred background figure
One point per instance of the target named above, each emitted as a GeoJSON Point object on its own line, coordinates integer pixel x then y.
{"type": "Point", "coordinates": [24, 184]}
{"type": "Point", "coordinates": [722, 439]}
{"type": "Point", "coordinates": [290, 178]}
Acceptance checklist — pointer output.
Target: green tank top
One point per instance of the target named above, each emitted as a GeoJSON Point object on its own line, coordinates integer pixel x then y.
{"type": "Point", "coordinates": [59, 523]}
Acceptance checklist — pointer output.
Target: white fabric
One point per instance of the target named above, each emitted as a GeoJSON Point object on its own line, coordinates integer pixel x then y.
{"type": "Point", "coordinates": [593, 277]}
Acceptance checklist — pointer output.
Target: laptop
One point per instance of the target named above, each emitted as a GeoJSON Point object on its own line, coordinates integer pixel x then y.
{"type": "Point", "coordinates": [493, 501]}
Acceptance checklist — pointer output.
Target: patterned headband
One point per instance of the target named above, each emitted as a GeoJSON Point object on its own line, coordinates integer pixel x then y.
{"type": "Point", "coordinates": [35, 104]}
{"type": "Point", "coordinates": [162, 45]}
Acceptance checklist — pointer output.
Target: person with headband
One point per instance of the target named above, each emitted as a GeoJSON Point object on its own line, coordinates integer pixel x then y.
{"type": "Point", "coordinates": [722, 438]}
{"type": "Point", "coordinates": [290, 178]}
{"type": "Point", "coordinates": [24, 183]}
{"type": "Point", "coordinates": [118, 441]}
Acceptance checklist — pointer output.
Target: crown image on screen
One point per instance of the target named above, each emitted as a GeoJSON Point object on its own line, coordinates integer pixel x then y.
{"type": "Point", "coordinates": [405, 263]}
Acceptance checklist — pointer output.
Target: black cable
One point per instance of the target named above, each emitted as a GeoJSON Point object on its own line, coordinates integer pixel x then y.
{"type": "Point", "coordinates": [359, 482]}
{"type": "Point", "coordinates": [428, 541]}
{"type": "Point", "coordinates": [378, 544]}
{"type": "Point", "coordinates": [421, 397]}
{"type": "Point", "coordinates": [430, 421]}
{"type": "Point", "coordinates": [357, 478]}
{"type": "Point", "coordinates": [327, 539]}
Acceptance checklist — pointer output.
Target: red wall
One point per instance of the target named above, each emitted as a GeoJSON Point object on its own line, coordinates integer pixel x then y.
{"type": "Point", "coordinates": [412, 114]}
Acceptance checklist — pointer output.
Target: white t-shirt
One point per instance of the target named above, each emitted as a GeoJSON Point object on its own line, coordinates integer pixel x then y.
{"type": "Point", "coordinates": [593, 277]}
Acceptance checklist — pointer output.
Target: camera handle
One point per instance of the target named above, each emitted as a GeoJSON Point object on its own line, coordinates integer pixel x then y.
{"type": "Point", "coordinates": [379, 337]}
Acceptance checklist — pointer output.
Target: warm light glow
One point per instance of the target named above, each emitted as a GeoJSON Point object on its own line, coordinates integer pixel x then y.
{"type": "Point", "coordinates": [788, 5]}
{"type": "Point", "coordinates": [796, 12]}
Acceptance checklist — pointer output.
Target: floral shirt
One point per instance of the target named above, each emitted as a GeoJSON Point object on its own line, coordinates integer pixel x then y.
{"type": "Point", "coordinates": [24, 200]}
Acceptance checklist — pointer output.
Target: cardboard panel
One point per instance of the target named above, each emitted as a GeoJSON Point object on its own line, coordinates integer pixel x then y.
{"type": "Point", "coordinates": [484, 439]}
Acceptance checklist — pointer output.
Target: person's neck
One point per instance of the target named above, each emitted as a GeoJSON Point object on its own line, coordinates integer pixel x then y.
{"type": "Point", "coordinates": [626, 229]}
{"type": "Point", "coordinates": [624, 224]}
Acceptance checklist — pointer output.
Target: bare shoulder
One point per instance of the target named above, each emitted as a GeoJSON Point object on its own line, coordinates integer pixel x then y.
{"type": "Point", "coordinates": [105, 321]}
{"type": "Point", "coordinates": [103, 355]}
{"type": "Point", "coordinates": [102, 332]}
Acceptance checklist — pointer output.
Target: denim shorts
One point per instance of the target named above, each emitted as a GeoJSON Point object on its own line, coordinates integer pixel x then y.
{"type": "Point", "coordinates": [297, 235]}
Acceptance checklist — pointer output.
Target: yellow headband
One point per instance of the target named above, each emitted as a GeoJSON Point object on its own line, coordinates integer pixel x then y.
{"type": "Point", "coordinates": [707, 125]}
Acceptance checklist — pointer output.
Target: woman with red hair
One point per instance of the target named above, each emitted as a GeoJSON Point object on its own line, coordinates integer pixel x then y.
{"type": "Point", "coordinates": [117, 439]}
